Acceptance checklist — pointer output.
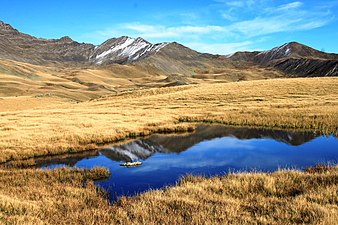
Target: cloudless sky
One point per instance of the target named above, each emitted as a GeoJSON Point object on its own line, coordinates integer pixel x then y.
{"type": "Point", "coordinates": [214, 26]}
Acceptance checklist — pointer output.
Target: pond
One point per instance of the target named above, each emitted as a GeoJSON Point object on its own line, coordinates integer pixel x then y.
{"type": "Point", "coordinates": [209, 151]}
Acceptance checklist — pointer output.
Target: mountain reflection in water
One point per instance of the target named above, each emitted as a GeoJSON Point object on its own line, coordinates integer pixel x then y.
{"type": "Point", "coordinates": [144, 148]}
{"type": "Point", "coordinates": [210, 150]}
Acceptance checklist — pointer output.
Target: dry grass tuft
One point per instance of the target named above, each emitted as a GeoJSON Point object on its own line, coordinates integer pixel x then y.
{"type": "Point", "coordinates": [283, 197]}
{"type": "Point", "coordinates": [64, 196]}
{"type": "Point", "coordinates": [60, 196]}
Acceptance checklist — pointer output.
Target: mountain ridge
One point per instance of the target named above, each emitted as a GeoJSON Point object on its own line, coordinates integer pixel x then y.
{"type": "Point", "coordinates": [42, 50]}
{"type": "Point", "coordinates": [170, 58]}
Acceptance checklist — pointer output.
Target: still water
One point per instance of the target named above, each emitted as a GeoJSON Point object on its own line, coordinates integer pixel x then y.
{"type": "Point", "coordinates": [209, 151]}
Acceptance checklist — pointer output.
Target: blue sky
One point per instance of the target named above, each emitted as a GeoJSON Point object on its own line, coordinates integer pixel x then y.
{"type": "Point", "coordinates": [214, 26]}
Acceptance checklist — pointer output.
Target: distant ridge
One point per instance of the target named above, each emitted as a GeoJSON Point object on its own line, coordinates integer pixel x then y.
{"type": "Point", "coordinates": [293, 59]}
{"type": "Point", "coordinates": [292, 49]}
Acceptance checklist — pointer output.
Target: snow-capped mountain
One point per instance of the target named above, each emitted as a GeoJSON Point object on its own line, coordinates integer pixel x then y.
{"type": "Point", "coordinates": [124, 50]}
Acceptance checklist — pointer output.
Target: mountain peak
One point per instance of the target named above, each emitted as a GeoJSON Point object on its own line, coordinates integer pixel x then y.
{"type": "Point", "coordinates": [290, 49]}
{"type": "Point", "coordinates": [139, 39]}
{"type": "Point", "coordinates": [294, 43]}
{"type": "Point", "coordinates": [123, 38]}
{"type": "Point", "coordinates": [295, 46]}
{"type": "Point", "coordinates": [66, 39]}
{"type": "Point", "coordinates": [297, 50]}
{"type": "Point", "coordinates": [278, 52]}
{"type": "Point", "coordinates": [130, 39]}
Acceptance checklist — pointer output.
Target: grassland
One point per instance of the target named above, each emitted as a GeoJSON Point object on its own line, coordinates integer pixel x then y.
{"type": "Point", "coordinates": [32, 126]}
{"type": "Point", "coordinates": [64, 127]}
{"type": "Point", "coordinates": [61, 197]}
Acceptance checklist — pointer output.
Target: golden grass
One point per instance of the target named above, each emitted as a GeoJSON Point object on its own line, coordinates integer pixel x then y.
{"type": "Point", "coordinates": [31, 196]}
{"type": "Point", "coordinates": [306, 103]}
{"type": "Point", "coordinates": [61, 196]}
{"type": "Point", "coordinates": [284, 197]}
{"type": "Point", "coordinates": [8, 104]}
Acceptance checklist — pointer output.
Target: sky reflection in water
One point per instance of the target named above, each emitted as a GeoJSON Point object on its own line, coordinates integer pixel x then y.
{"type": "Point", "coordinates": [209, 157]}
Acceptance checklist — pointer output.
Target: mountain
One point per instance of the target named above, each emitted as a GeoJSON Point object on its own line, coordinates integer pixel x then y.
{"type": "Point", "coordinates": [25, 48]}
{"type": "Point", "coordinates": [175, 58]}
{"type": "Point", "coordinates": [123, 50]}
{"type": "Point", "coordinates": [81, 71]}
{"type": "Point", "coordinates": [292, 50]}
{"type": "Point", "coordinates": [161, 58]}
{"type": "Point", "coordinates": [293, 59]}
{"type": "Point", "coordinates": [300, 67]}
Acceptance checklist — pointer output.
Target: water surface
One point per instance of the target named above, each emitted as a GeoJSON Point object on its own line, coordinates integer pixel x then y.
{"type": "Point", "coordinates": [209, 151]}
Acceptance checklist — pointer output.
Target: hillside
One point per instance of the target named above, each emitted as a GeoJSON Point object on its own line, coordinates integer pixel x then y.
{"type": "Point", "coordinates": [64, 68]}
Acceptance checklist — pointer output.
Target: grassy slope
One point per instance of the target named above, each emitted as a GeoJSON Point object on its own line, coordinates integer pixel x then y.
{"type": "Point", "coordinates": [283, 197]}
{"type": "Point", "coordinates": [80, 84]}
{"type": "Point", "coordinates": [310, 103]}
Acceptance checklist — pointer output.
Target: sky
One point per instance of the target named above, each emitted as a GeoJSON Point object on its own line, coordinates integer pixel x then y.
{"type": "Point", "coordinates": [213, 26]}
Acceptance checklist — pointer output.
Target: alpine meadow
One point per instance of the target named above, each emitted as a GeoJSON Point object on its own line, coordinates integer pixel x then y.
{"type": "Point", "coordinates": [194, 112]}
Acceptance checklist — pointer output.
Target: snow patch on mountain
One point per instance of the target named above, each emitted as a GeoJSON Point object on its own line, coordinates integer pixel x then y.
{"type": "Point", "coordinates": [230, 55]}
{"type": "Point", "coordinates": [126, 49]}
{"type": "Point", "coordinates": [278, 52]}
{"type": "Point", "coordinates": [158, 47]}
